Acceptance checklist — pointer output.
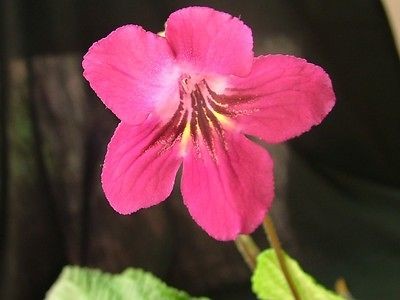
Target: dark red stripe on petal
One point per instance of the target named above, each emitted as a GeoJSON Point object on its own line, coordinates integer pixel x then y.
{"type": "Point", "coordinates": [169, 133]}
{"type": "Point", "coordinates": [199, 114]}
{"type": "Point", "coordinates": [202, 120]}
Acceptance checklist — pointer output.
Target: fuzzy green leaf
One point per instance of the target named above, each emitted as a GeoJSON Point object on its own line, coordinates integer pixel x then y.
{"type": "Point", "coordinates": [269, 283]}
{"type": "Point", "coordinates": [87, 284]}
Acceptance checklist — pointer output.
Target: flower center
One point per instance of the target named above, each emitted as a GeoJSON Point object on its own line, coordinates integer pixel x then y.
{"type": "Point", "coordinates": [201, 116]}
{"type": "Point", "coordinates": [205, 116]}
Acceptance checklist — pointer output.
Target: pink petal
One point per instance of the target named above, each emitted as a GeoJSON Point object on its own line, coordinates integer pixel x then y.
{"type": "Point", "coordinates": [137, 172]}
{"type": "Point", "coordinates": [283, 97]}
{"type": "Point", "coordinates": [228, 195]}
{"type": "Point", "coordinates": [210, 41]}
{"type": "Point", "coordinates": [132, 71]}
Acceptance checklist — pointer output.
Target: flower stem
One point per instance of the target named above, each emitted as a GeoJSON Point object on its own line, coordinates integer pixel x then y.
{"type": "Point", "coordinates": [269, 229]}
{"type": "Point", "coordinates": [342, 289]}
{"type": "Point", "coordinates": [248, 249]}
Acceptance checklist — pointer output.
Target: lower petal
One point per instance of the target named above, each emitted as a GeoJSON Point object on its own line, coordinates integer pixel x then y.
{"type": "Point", "coordinates": [283, 97]}
{"type": "Point", "coordinates": [138, 172]}
{"type": "Point", "coordinates": [228, 190]}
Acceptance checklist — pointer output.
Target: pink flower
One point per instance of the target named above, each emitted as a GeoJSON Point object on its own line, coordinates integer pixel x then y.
{"type": "Point", "coordinates": [188, 99]}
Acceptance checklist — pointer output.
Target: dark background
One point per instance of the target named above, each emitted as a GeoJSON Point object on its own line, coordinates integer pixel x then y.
{"type": "Point", "coordinates": [338, 197]}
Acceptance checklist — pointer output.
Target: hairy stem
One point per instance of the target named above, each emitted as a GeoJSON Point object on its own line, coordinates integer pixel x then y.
{"type": "Point", "coordinates": [276, 245]}
{"type": "Point", "coordinates": [248, 249]}
{"type": "Point", "coordinates": [342, 289]}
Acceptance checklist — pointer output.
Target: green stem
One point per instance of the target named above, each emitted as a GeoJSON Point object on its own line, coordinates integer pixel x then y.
{"type": "Point", "coordinates": [342, 289]}
{"type": "Point", "coordinates": [248, 249]}
{"type": "Point", "coordinates": [276, 245]}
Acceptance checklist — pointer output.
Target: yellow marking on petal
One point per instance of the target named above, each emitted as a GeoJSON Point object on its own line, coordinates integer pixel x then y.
{"type": "Point", "coordinates": [223, 119]}
{"type": "Point", "coordinates": [185, 139]}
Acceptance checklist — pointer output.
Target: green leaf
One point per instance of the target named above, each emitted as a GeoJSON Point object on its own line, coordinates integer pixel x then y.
{"type": "Point", "coordinates": [85, 284]}
{"type": "Point", "coordinates": [268, 281]}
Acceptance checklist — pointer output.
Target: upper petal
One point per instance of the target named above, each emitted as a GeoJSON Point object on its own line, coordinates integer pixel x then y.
{"type": "Point", "coordinates": [132, 71]}
{"type": "Point", "coordinates": [229, 191]}
{"type": "Point", "coordinates": [282, 97]}
{"type": "Point", "coordinates": [210, 41]}
{"type": "Point", "coordinates": [138, 171]}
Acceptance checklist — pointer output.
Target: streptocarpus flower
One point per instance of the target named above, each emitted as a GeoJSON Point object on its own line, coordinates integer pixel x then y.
{"type": "Point", "coordinates": [188, 98]}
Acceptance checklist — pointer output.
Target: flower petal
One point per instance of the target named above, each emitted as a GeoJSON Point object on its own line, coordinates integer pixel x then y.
{"type": "Point", "coordinates": [132, 71]}
{"type": "Point", "coordinates": [137, 172]}
{"type": "Point", "coordinates": [283, 97]}
{"type": "Point", "coordinates": [228, 192]}
{"type": "Point", "coordinates": [210, 41]}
